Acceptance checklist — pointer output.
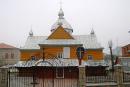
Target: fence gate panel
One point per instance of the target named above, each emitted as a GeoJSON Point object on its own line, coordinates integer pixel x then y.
{"type": "Point", "coordinates": [43, 77]}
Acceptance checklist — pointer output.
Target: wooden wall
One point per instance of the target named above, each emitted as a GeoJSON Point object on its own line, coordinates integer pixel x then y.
{"type": "Point", "coordinates": [51, 52]}
{"type": "Point", "coordinates": [97, 54]}
{"type": "Point", "coordinates": [126, 51]}
{"type": "Point", "coordinates": [26, 54]}
{"type": "Point", "coordinates": [60, 33]}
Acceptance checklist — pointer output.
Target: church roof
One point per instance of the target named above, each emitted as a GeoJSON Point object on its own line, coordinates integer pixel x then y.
{"type": "Point", "coordinates": [3, 45]}
{"type": "Point", "coordinates": [65, 24]}
{"type": "Point", "coordinates": [32, 42]}
{"type": "Point", "coordinates": [88, 42]}
{"type": "Point", "coordinates": [58, 62]}
{"type": "Point", "coordinates": [65, 42]}
{"type": "Point", "coordinates": [48, 62]}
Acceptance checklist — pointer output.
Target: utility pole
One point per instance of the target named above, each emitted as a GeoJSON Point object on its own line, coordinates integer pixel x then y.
{"type": "Point", "coordinates": [112, 60]}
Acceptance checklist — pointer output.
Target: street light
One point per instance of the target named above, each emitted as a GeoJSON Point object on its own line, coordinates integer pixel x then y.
{"type": "Point", "coordinates": [110, 47]}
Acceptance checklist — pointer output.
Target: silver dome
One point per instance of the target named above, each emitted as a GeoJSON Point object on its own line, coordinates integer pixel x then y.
{"type": "Point", "coordinates": [61, 21]}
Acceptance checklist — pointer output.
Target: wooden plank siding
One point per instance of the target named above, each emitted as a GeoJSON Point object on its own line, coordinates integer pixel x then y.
{"type": "Point", "coordinates": [46, 76]}
{"type": "Point", "coordinates": [49, 72]}
{"type": "Point", "coordinates": [97, 54]}
{"type": "Point", "coordinates": [26, 54]}
{"type": "Point", "coordinates": [60, 33]}
{"type": "Point", "coordinates": [51, 52]}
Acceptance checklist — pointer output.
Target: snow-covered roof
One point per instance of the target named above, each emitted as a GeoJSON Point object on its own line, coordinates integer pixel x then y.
{"type": "Point", "coordinates": [65, 24]}
{"type": "Point", "coordinates": [65, 42]}
{"type": "Point", "coordinates": [58, 62]}
{"type": "Point", "coordinates": [61, 21]}
{"type": "Point", "coordinates": [33, 41]}
{"type": "Point", "coordinates": [88, 42]}
{"type": "Point", "coordinates": [96, 63]}
{"type": "Point", "coordinates": [48, 62]}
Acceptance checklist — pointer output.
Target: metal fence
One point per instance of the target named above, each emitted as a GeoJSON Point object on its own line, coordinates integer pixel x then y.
{"type": "Point", "coordinates": [101, 79]}
{"type": "Point", "coordinates": [41, 78]}
{"type": "Point", "coordinates": [32, 79]}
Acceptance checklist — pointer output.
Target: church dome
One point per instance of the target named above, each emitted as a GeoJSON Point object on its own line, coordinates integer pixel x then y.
{"type": "Point", "coordinates": [61, 21]}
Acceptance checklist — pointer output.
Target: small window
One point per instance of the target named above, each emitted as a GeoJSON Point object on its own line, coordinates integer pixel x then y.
{"type": "Point", "coordinates": [59, 72]}
{"type": "Point", "coordinates": [12, 55]}
{"type": "Point", "coordinates": [90, 57]}
{"type": "Point", "coordinates": [59, 55]}
{"type": "Point", "coordinates": [6, 55]}
{"type": "Point", "coordinates": [33, 57]}
{"type": "Point", "coordinates": [127, 48]}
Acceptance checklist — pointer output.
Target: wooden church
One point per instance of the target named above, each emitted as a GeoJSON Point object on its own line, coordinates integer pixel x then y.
{"type": "Point", "coordinates": [54, 56]}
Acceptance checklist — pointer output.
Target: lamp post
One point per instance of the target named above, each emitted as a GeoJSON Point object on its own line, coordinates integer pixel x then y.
{"type": "Point", "coordinates": [112, 60]}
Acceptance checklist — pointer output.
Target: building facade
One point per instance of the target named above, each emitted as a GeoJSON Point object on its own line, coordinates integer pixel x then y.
{"type": "Point", "coordinates": [8, 54]}
{"type": "Point", "coordinates": [126, 51]}
{"type": "Point", "coordinates": [53, 60]}
{"type": "Point", "coordinates": [62, 43]}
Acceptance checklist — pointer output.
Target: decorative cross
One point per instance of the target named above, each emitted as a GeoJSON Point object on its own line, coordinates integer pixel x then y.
{"type": "Point", "coordinates": [60, 3]}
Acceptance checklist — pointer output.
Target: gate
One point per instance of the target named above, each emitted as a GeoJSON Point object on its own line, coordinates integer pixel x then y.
{"type": "Point", "coordinates": [43, 76]}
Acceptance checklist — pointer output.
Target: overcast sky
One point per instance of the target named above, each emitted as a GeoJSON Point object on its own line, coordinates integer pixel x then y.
{"type": "Point", "coordinates": [110, 19]}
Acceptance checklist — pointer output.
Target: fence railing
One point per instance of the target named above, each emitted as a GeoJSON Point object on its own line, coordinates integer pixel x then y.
{"type": "Point", "coordinates": [43, 77]}
{"type": "Point", "coordinates": [101, 79]}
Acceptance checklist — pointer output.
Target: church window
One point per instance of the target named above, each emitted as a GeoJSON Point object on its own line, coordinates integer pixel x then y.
{"type": "Point", "coordinates": [90, 57]}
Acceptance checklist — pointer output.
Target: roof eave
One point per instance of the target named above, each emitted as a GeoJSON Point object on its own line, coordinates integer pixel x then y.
{"type": "Point", "coordinates": [28, 49]}
{"type": "Point", "coordinates": [60, 44]}
{"type": "Point", "coordinates": [94, 48]}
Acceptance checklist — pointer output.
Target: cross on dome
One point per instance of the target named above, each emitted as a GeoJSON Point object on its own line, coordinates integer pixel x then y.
{"type": "Point", "coordinates": [31, 32]}
{"type": "Point", "coordinates": [61, 22]}
{"type": "Point", "coordinates": [92, 31]}
{"type": "Point", "coordinates": [61, 14]}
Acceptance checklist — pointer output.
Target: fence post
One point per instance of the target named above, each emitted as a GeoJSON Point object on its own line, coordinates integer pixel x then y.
{"type": "Point", "coordinates": [3, 77]}
{"type": "Point", "coordinates": [82, 76]}
{"type": "Point", "coordinates": [119, 75]}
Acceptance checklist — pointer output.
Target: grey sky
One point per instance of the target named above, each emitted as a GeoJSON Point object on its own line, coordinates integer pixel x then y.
{"type": "Point", "coordinates": [110, 18]}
